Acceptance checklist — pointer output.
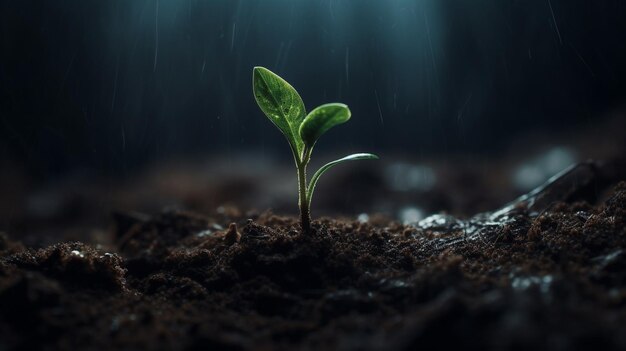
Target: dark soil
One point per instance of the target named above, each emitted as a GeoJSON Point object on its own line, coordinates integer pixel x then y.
{"type": "Point", "coordinates": [546, 272]}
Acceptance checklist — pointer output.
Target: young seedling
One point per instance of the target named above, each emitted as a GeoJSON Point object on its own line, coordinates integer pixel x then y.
{"type": "Point", "coordinates": [283, 106]}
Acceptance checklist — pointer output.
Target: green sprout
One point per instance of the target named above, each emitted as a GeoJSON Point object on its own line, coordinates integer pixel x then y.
{"type": "Point", "coordinates": [283, 106]}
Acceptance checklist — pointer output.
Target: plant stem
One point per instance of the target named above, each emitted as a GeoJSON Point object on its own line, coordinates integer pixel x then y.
{"type": "Point", "coordinates": [303, 201]}
{"type": "Point", "coordinates": [305, 212]}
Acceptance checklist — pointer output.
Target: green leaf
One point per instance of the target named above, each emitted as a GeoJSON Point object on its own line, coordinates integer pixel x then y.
{"type": "Point", "coordinates": [321, 119]}
{"type": "Point", "coordinates": [324, 168]}
{"type": "Point", "coordinates": [281, 104]}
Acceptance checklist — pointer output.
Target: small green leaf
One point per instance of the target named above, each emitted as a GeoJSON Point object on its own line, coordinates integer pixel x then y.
{"type": "Point", "coordinates": [281, 104]}
{"type": "Point", "coordinates": [321, 119]}
{"type": "Point", "coordinates": [324, 168]}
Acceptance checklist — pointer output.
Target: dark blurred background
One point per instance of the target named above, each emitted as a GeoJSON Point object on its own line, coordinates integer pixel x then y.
{"type": "Point", "coordinates": [114, 106]}
{"type": "Point", "coordinates": [111, 85]}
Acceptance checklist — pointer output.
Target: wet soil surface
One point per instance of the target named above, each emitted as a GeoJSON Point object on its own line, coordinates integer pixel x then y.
{"type": "Point", "coordinates": [547, 271]}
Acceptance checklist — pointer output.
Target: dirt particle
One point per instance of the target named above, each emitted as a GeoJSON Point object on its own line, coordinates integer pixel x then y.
{"type": "Point", "coordinates": [232, 234]}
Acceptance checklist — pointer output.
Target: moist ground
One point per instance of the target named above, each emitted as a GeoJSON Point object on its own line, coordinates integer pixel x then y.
{"type": "Point", "coordinates": [551, 279]}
